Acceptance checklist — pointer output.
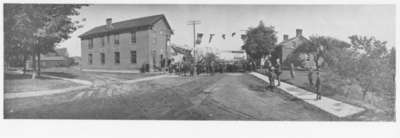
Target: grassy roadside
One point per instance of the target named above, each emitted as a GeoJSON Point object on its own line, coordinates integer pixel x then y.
{"type": "Point", "coordinates": [380, 110]}
{"type": "Point", "coordinates": [22, 83]}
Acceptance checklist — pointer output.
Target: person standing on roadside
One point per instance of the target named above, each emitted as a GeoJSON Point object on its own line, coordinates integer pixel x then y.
{"type": "Point", "coordinates": [270, 71]}
{"type": "Point", "coordinates": [309, 68]}
{"type": "Point", "coordinates": [278, 71]}
{"type": "Point", "coordinates": [292, 74]}
{"type": "Point", "coordinates": [318, 86]}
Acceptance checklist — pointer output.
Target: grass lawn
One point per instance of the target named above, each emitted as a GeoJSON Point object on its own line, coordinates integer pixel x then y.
{"type": "Point", "coordinates": [300, 80]}
{"type": "Point", "coordinates": [72, 73]}
{"type": "Point", "coordinates": [381, 110]}
{"type": "Point", "coordinates": [23, 83]}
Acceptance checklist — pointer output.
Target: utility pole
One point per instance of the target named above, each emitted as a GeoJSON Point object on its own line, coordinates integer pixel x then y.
{"type": "Point", "coordinates": [193, 23]}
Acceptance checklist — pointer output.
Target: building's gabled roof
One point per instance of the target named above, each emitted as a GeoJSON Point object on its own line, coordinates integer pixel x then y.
{"type": "Point", "coordinates": [294, 42]}
{"type": "Point", "coordinates": [137, 23]}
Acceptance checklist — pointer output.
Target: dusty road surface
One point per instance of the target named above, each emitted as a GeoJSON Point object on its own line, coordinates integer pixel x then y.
{"type": "Point", "coordinates": [229, 96]}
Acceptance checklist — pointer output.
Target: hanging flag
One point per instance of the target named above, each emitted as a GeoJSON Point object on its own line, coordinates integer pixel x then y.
{"type": "Point", "coordinates": [244, 37]}
{"type": "Point", "coordinates": [223, 36]}
{"type": "Point", "coordinates": [233, 34]}
{"type": "Point", "coordinates": [199, 37]}
{"type": "Point", "coordinates": [211, 36]}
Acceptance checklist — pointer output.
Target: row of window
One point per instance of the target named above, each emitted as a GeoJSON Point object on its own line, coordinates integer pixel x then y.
{"type": "Point", "coordinates": [116, 58]}
{"type": "Point", "coordinates": [116, 39]}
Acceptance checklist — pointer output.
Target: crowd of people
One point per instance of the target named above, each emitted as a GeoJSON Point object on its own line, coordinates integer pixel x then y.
{"type": "Point", "coordinates": [271, 67]}
{"type": "Point", "coordinates": [187, 68]}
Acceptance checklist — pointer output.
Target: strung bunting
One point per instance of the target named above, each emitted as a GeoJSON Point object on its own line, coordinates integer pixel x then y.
{"type": "Point", "coordinates": [244, 37]}
{"type": "Point", "coordinates": [211, 36]}
{"type": "Point", "coordinates": [233, 34]}
{"type": "Point", "coordinates": [199, 37]}
{"type": "Point", "coordinates": [223, 36]}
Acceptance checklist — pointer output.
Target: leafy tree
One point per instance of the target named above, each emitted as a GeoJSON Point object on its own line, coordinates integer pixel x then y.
{"type": "Point", "coordinates": [392, 62]}
{"type": "Point", "coordinates": [18, 32]}
{"type": "Point", "coordinates": [392, 58]}
{"type": "Point", "coordinates": [321, 49]}
{"type": "Point", "coordinates": [372, 70]}
{"type": "Point", "coordinates": [365, 63]}
{"type": "Point", "coordinates": [369, 46]}
{"type": "Point", "coordinates": [210, 57]}
{"type": "Point", "coordinates": [37, 28]}
{"type": "Point", "coordinates": [260, 41]}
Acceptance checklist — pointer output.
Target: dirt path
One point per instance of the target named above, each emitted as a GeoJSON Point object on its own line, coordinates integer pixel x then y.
{"type": "Point", "coordinates": [240, 96]}
{"type": "Point", "coordinates": [111, 99]}
{"type": "Point", "coordinates": [219, 97]}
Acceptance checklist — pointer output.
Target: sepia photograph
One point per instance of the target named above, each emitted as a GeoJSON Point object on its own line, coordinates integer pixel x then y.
{"type": "Point", "coordinates": [195, 62]}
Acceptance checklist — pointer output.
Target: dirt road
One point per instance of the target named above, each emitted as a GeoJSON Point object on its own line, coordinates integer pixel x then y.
{"type": "Point", "coordinates": [230, 96]}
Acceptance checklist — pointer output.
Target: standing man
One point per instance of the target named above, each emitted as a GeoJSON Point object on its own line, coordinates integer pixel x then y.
{"type": "Point", "coordinates": [292, 70]}
{"type": "Point", "coordinates": [278, 71]}
{"type": "Point", "coordinates": [169, 65]}
{"type": "Point", "coordinates": [310, 74]}
{"type": "Point", "coordinates": [309, 67]}
{"type": "Point", "coordinates": [212, 67]}
{"type": "Point", "coordinates": [270, 71]}
{"type": "Point", "coordinates": [318, 86]}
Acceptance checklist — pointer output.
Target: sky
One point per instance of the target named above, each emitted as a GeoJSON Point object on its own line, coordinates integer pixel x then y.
{"type": "Point", "coordinates": [339, 21]}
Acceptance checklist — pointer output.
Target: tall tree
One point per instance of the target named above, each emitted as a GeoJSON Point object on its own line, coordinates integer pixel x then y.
{"type": "Point", "coordinates": [38, 27]}
{"type": "Point", "coordinates": [392, 62]}
{"type": "Point", "coordinates": [372, 69]}
{"type": "Point", "coordinates": [369, 45]}
{"type": "Point", "coordinates": [260, 41]}
{"type": "Point", "coordinates": [18, 32]}
{"type": "Point", "coordinates": [321, 49]}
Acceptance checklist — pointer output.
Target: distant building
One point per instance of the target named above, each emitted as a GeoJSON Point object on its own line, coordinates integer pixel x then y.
{"type": "Point", "coordinates": [60, 52]}
{"type": "Point", "coordinates": [179, 52]}
{"type": "Point", "coordinates": [289, 44]}
{"type": "Point", "coordinates": [53, 59]}
{"type": "Point", "coordinates": [127, 45]}
{"type": "Point", "coordinates": [76, 60]}
{"type": "Point", "coordinates": [232, 55]}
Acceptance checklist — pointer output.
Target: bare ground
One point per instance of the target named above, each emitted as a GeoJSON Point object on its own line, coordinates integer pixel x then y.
{"type": "Point", "coordinates": [218, 97]}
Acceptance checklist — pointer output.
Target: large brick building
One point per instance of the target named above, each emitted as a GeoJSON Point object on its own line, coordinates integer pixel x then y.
{"type": "Point", "coordinates": [126, 45]}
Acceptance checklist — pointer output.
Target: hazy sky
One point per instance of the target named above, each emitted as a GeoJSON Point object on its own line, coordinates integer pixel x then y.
{"type": "Point", "coordinates": [339, 21]}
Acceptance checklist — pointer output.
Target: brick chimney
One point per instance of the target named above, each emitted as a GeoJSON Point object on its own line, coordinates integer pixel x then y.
{"type": "Point", "coordinates": [109, 22]}
{"type": "Point", "coordinates": [285, 37]}
{"type": "Point", "coordinates": [299, 32]}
